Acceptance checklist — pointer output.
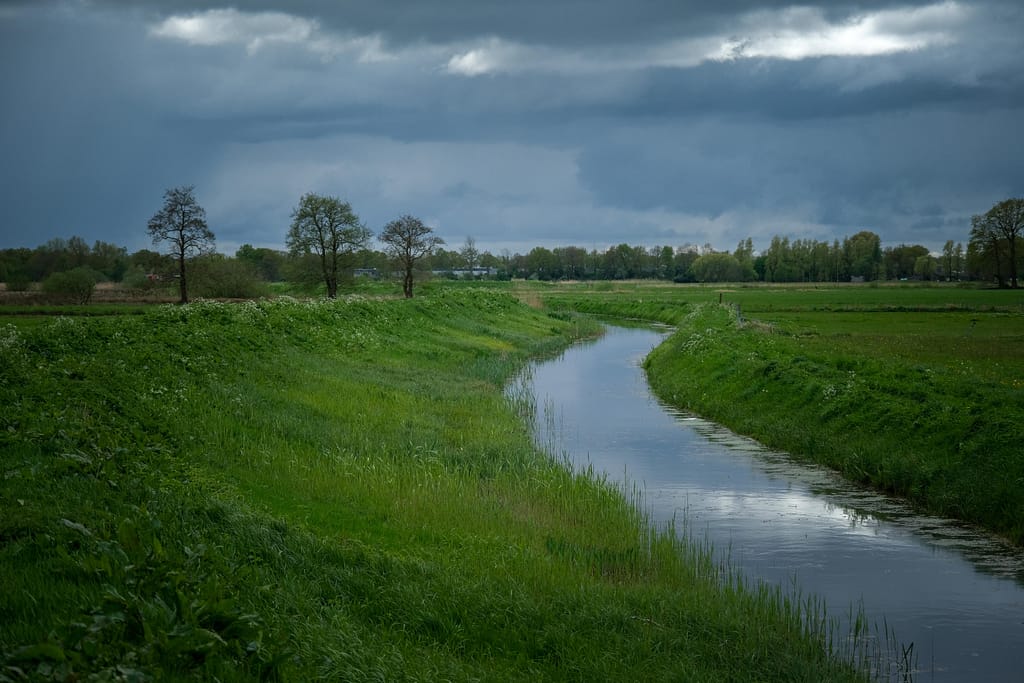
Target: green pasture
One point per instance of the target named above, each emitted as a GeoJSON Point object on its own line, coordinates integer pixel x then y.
{"type": "Point", "coordinates": [981, 346]}
{"type": "Point", "coordinates": [787, 297]}
{"type": "Point", "coordinates": [341, 490]}
{"type": "Point", "coordinates": [974, 332]}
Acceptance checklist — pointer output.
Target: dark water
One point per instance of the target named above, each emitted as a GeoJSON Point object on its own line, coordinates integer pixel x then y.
{"type": "Point", "coordinates": [954, 593]}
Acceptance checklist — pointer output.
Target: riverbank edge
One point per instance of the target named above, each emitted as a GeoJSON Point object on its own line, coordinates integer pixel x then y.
{"type": "Point", "coordinates": [296, 491]}
{"type": "Point", "coordinates": [939, 441]}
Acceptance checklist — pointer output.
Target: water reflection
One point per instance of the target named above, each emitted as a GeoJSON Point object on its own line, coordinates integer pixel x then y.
{"type": "Point", "coordinates": [956, 593]}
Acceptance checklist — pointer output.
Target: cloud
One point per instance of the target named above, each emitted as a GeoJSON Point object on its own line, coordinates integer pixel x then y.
{"type": "Point", "coordinates": [793, 33]}
{"type": "Point", "coordinates": [484, 59]}
{"type": "Point", "coordinates": [877, 172]}
{"type": "Point", "coordinates": [507, 195]}
{"type": "Point", "coordinates": [525, 123]}
{"type": "Point", "coordinates": [804, 32]}
{"type": "Point", "coordinates": [259, 30]}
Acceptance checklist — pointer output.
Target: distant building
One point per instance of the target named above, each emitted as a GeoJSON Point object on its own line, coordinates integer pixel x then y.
{"type": "Point", "coordinates": [478, 271]}
{"type": "Point", "coordinates": [366, 272]}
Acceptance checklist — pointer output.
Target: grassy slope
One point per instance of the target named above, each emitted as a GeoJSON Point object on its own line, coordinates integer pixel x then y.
{"type": "Point", "coordinates": [334, 490]}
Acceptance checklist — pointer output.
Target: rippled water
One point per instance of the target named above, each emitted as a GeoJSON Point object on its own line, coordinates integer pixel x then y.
{"type": "Point", "coordinates": [955, 593]}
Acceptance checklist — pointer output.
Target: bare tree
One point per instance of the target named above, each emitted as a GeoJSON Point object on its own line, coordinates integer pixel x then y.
{"type": "Point", "coordinates": [182, 224]}
{"type": "Point", "coordinates": [470, 255]}
{"type": "Point", "coordinates": [327, 227]}
{"type": "Point", "coordinates": [407, 240]}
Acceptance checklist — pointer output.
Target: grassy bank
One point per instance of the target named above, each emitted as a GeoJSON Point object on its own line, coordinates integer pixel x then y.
{"type": "Point", "coordinates": [341, 491]}
{"type": "Point", "coordinates": [921, 400]}
{"type": "Point", "coordinates": [914, 389]}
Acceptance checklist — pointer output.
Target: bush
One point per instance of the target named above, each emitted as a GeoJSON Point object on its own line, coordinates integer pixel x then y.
{"type": "Point", "coordinates": [218, 277]}
{"type": "Point", "coordinates": [139, 279]}
{"type": "Point", "coordinates": [74, 285]}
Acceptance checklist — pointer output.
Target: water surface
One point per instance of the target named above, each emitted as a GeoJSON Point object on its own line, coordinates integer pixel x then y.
{"type": "Point", "coordinates": [952, 591]}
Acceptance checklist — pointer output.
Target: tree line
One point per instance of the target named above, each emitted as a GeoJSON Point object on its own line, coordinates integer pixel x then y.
{"type": "Point", "coordinates": [327, 243]}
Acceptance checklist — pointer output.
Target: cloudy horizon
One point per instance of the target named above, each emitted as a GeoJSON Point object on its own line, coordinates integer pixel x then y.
{"type": "Point", "coordinates": [519, 124]}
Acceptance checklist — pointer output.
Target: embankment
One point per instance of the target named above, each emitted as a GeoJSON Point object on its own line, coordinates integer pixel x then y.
{"type": "Point", "coordinates": [932, 433]}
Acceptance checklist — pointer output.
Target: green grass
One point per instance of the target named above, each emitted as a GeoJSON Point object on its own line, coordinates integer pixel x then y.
{"type": "Point", "coordinates": [342, 491]}
{"type": "Point", "coordinates": [760, 300]}
{"type": "Point", "coordinates": [27, 316]}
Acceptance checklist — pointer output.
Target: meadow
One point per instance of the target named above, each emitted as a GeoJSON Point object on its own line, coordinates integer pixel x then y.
{"type": "Point", "coordinates": [917, 391]}
{"type": "Point", "coordinates": [340, 490]}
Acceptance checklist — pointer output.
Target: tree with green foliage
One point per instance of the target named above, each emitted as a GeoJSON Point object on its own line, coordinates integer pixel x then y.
{"type": "Point", "coordinates": [717, 267]}
{"type": "Point", "coordinates": [623, 262]}
{"type": "Point", "coordinates": [1006, 219]}
{"type": "Point", "coordinates": [407, 240]}
{"type": "Point", "coordinates": [150, 261]}
{"type": "Point", "coordinates": [49, 258]}
{"type": "Point", "coordinates": [835, 262]}
{"type": "Point", "coordinates": [541, 264]}
{"type": "Point", "coordinates": [744, 255]}
{"type": "Point", "coordinates": [777, 257]}
{"type": "Point", "coordinates": [217, 276]}
{"type": "Point", "coordinates": [952, 260]}
{"type": "Point", "coordinates": [924, 267]}
{"type": "Point", "coordinates": [666, 266]}
{"type": "Point", "coordinates": [948, 260]}
{"type": "Point", "coordinates": [900, 261]}
{"type": "Point", "coordinates": [109, 259]}
{"type": "Point", "coordinates": [985, 250]}
{"type": "Point", "coordinates": [182, 224]}
{"type": "Point", "coordinates": [78, 251]}
{"type": "Point", "coordinates": [443, 261]}
{"type": "Point", "coordinates": [268, 263]}
{"type": "Point", "coordinates": [573, 261]}
{"type": "Point", "coordinates": [327, 227]}
{"type": "Point", "coordinates": [13, 268]}
{"type": "Point", "coordinates": [863, 253]}
{"type": "Point", "coordinates": [682, 263]}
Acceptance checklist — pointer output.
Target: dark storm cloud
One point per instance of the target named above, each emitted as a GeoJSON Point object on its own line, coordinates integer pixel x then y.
{"type": "Point", "coordinates": [83, 153]}
{"type": "Point", "coordinates": [566, 22]}
{"type": "Point", "coordinates": [519, 123]}
{"type": "Point", "coordinates": [855, 172]}
{"type": "Point", "coordinates": [794, 92]}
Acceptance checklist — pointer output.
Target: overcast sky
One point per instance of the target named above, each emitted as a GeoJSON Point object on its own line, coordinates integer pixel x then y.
{"type": "Point", "coordinates": [535, 122]}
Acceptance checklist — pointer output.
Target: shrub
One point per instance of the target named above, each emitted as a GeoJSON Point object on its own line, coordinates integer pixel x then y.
{"type": "Point", "coordinates": [218, 277]}
{"type": "Point", "coordinates": [75, 285]}
{"type": "Point", "coordinates": [139, 279]}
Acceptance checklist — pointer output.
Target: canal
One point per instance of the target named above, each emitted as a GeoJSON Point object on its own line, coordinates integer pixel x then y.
{"type": "Point", "coordinates": [955, 594]}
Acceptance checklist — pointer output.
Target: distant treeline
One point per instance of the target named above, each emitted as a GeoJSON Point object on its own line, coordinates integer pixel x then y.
{"type": "Point", "coordinates": [858, 257]}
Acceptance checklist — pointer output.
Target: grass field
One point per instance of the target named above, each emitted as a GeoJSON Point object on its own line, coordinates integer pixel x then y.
{"type": "Point", "coordinates": [341, 491]}
{"type": "Point", "coordinates": [917, 391]}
